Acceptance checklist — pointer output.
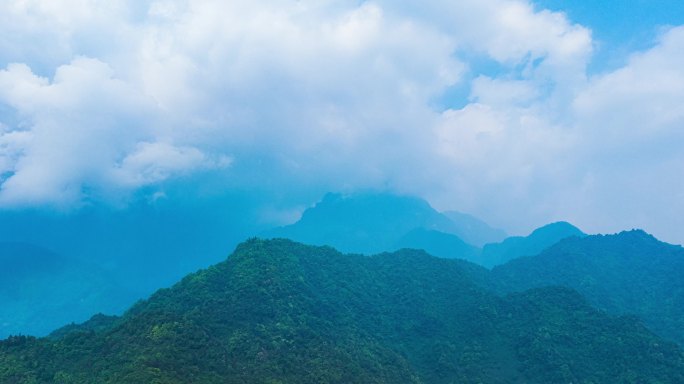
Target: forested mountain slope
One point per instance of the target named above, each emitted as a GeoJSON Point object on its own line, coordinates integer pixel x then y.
{"type": "Point", "coordinates": [281, 312]}
{"type": "Point", "coordinates": [627, 273]}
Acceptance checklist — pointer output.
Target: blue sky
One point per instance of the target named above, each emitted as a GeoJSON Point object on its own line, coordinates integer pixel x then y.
{"type": "Point", "coordinates": [518, 112]}
{"type": "Point", "coordinates": [620, 22]}
{"type": "Point", "coordinates": [620, 27]}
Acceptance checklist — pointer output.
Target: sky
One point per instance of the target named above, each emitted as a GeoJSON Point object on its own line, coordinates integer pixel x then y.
{"type": "Point", "coordinates": [518, 112]}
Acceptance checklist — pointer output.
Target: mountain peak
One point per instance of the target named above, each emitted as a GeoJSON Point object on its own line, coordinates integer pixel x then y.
{"type": "Point", "coordinates": [637, 233]}
{"type": "Point", "coordinates": [370, 223]}
{"type": "Point", "coordinates": [518, 246]}
{"type": "Point", "coordinates": [558, 228]}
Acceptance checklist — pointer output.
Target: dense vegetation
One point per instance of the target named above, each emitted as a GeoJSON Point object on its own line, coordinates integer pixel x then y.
{"type": "Point", "coordinates": [282, 312]}
{"type": "Point", "coordinates": [627, 273]}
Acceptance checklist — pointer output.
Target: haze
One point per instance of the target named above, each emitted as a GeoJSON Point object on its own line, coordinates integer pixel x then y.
{"type": "Point", "coordinates": [515, 113]}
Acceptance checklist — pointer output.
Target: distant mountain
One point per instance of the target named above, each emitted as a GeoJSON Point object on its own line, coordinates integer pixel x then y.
{"type": "Point", "coordinates": [104, 259]}
{"type": "Point", "coordinates": [363, 223]}
{"type": "Point", "coordinates": [438, 244]}
{"type": "Point", "coordinates": [21, 260]}
{"type": "Point", "coordinates": [376, 222]}
{"type": "Point", "coordinates": [41, 290]}
{"type": "Point", "coordinates": [281, 312]}
{"type": "Point", "coordinates": [627, 273]}
{"type": "Point", "coordinates": [473, 230]}
{"type": "Point", "coordinates": [145, 245]}
{"type": "Point", "coordinates": [537, 241]}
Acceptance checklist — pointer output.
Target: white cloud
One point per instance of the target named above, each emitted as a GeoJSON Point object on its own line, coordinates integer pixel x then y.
{"type": "Point", "coordinates": [504, 92]}
{"type": "Point", "coordinates": [335, 94]}
{"type": "Point", "coordinates": [74, 128]}
{"type": "Point", "coordinates": [643, 96]}
{"type": "Point", "coordinates": [631, 122]}
{"type": "Point", "coordinates": [154, 162]}
{"type": "Point", "coordinates": [607, 160]}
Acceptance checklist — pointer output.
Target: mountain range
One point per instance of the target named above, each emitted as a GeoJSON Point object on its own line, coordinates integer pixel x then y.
{"type": "Point", "coordinates": [494, 254]}
{"type": "Point", "coordinates": [281, 312]}
{"type": "Point", "coordinates": [630, 273]}
{"type": "Point", "coordinates": [369, 223]}
{"type": "Point", "coordinates": [627, 273]}
{"type": "Point", "coordinates": [116, 258]}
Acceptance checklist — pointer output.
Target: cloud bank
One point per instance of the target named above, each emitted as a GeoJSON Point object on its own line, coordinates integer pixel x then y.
{"type": "Point", "coordinates": [102, 101]}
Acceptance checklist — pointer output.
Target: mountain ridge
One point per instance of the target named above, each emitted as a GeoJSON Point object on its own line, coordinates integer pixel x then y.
{"type": "Point", "coordinates": [630, 272]}
{"type": "Point", "coordinates": [280, 311]}
{"type": "Point", "coordinates": [369, 223]}
{"type": "Point", "coordinates": [517, 246]}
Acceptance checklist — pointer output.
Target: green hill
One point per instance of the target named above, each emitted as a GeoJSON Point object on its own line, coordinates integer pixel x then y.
{"type": "Point", "coordinates": [627, 273]}
{"type": "Point", "coordinates": [282, 312]}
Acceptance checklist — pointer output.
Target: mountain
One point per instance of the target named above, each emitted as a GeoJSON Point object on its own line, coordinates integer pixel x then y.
{"type": "Point", "coordinates": [627, 273]}
{"type": "Point", "coordinates": [144, 245]}
{"type": "Point", "coordinates": [473, 230]}
{"type": "Point", "coordinates": [537, 241]}
{"type": "Point", "coordinates": [438, 244]}
{"type": "Point", "coordinates": [281, 312]}
{"type": "Point", "coordinates": [363, 223]}
{"type": "Point", "coordinates": [370, 223]}
{"type": "Point", "coordinates": [20, 260]}
{"type": "Point", "coordinates": [104, 258]}
{"type": "Point", "coordinates": [41, 290]}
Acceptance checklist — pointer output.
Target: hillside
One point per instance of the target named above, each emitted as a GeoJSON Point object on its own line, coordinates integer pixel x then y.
{"type": "Point", "coordinates": [282, 312]}
{"type": "Point", "coordinates": [627, 273]}
{"type": "Point", "coordinates": [518, 246]}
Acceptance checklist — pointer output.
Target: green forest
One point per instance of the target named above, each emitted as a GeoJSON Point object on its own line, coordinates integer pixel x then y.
{"type": "Point", "coordinates": [277, 311]}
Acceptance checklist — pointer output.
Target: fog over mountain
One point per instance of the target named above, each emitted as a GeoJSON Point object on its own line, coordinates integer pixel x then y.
{"type": "Point", "coordinates": [429, 192]}
{"type": "Point", "coordinates": [376, 222]}
{"type": "Point", "coordinates": [503, 109]}
{"type": "Point", "coordinates": [537, 241]}
{"type": "Point", "coordinates": [149, 245]}
{"type": "Point", "coordinates": [41, 290]}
